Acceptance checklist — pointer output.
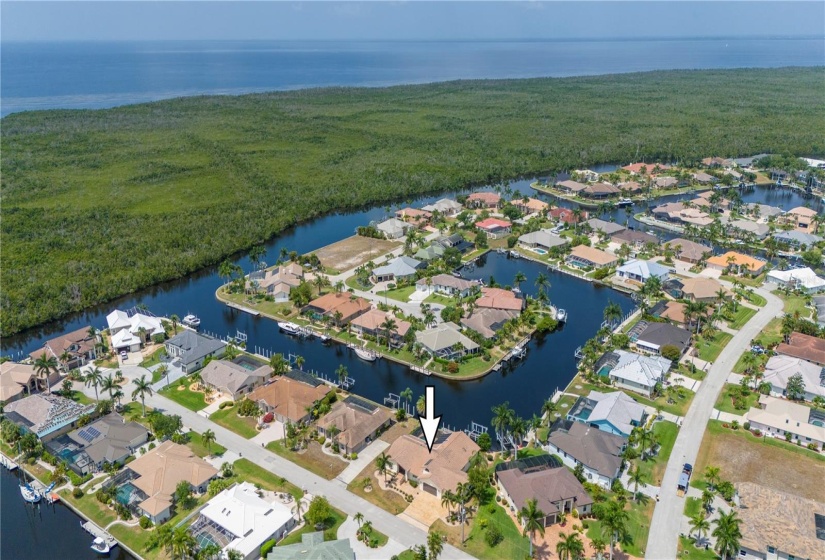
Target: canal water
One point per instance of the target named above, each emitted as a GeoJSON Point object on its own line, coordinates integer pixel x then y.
{"type": "Point", "coordinates": [40, 531]}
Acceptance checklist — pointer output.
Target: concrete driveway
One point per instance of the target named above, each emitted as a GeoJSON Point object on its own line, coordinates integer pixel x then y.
{"type": "Point", "coordinates": [365, 457]}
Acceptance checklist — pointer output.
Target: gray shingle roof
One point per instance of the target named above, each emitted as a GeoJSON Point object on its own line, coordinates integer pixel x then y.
{"type": "Point", "coordinates": [598, 450]}
{"type": "Point", "coordinates": [194, 345]}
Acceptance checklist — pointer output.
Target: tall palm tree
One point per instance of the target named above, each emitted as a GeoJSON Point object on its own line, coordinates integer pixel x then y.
{"type": "Point", "coordinates": [300, 508]}
{"type": "Point", "coordinates": [727, 535]}
{"type": "Point", "coordinates": [614, 521]}
{"type": "Point", "coordinates": [502, 420]}
{"type": "Point", "coordinates": [447, 500]}
{"type": "Point", "coordinates": [299, 361]}
{"type": "Point", "coordinates": [389, 325]}
{"type": "Point", "coordinates": [569, 547]}
{"type": "Point", "coordinates": [278, 364]}
{"type": "Point", "coordinates": [94, 377]}
{"type": "Point", "coordinates": [519, 278]}
{"type": "Point", "coordinates": [407, 395]}
{"type": "Point", "coordinates": [518, 429]}
{"type": "Point", "coordinates": [712, 476]}
{"type": "Point", "coordinates": [638, 478]}
{"type": "Point", "coordinates": [420, 405]}
{"type": "Point", "coordinates": [175, 320]}
{"type": "Point", "coordinates": [359, 518]}
{"type": "Point", "coordinates": [225, 270]}
{"type": "Point", "coordinates": [183, 544]}
{"type": "Point", "coordinates": [707, 499]}
{"type": "Point", "coordinates": [383, 464]}
{"type": "Point", "coordinates": [542, 283]}
{"type": "Point", "coordinates": [612, 312]}
{"type": "Point", "coordinates": [599, 546]}
{"type": "Point", "coordinates": [44, 367]}
{"type": "Point", "coordinates": [342, 373]}
{"type": "Point", "coordinates": [208, 438]}
{"type": "Point", "coordinates": [435, 545]}
{"type": "Point", "coordinates": [548, 409]}
{"type": "Point", "coordinates": [532, 519]}
{"type": "Point", "coordinates": [699, 524]}
{"type": "Point", "coordinates": [109, 384]}
{"type": "Point", "coordinates": [142, 388]}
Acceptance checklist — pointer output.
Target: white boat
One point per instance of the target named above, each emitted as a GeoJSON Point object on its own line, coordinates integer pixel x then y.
{"type": "Point", "coordinates": [29, 494]}
{"type": "Point", "coordinates": [515, 254]}
{"type": "Point", "coordinates": [624, 202]}
{"type": "Point", "coordinates": [191, 321]}
{"type": "Point", "coordinates": [366, 355]}
{"type": "Point", "coordinates": [100, 546]}
{"type": "Point", "coordinates": [561, 315]}
{"type": "Point", "coordinates": [289, 328]}
{"type": "Point", "coordinates": [324, 337]}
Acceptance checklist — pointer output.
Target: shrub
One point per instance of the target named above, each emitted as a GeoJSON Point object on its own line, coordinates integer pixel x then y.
{"type": "Point", "coordinates": [77, 493]}
{"type": "Point", "coordinates": [225, 404]}
{"type": "Point", "coordinates": [353, 456]}
{"type": "Point", "coordinates": [400, 415]}
{"type": "Point", "coordinates": [145, 522]}
{"type": "Point", "coordinates": [498, 499]}
{"type": "Point", "coordinates": [248, 408]}
{"type": "Point", "coordinates": [103, 497]}
{"type": "Point", "coordinates": [747, 425]}
{"type": "Point", "coordinates": [452, 367]}
{"type": "Point", "coordinates": [601, 273]}
{"type": "Point", "coordinates": [267, 547]}
{"type": "Point", "coordinates": [321, 440]}
{"type": "Point", "coordinates": [151, 446]}
{"type": "Point", "coordinates": [757, 433]}
{"type": "Point", "coordinates": [671, 352]}
{"type": "Point", "coordinates": [813, 447]}
{"type": "Point", "coordinates": [788, 436]}
{"type": "Point", "coordinates": [493, 536]}
{"type": "Point", "coordinates": [414, 483]}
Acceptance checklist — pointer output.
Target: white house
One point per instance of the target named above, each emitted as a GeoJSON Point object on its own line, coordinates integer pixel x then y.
{"type": "Point", "coordinates": [638, 373]}
{"type": "Point", "coordinates": [803, 279]}
{"type": "Point", "coordinates": [780, 368]}
{"type": "Point", "coordinates": [778, 417]}
{"type": "Point", "coordinates": [448, 285]}
{"type": "Point", "coordinates": [641, 271]}
{"type": "Point", "coordinates": [393, 228]}
{"type": "Point", "coordinates": [126, 329]}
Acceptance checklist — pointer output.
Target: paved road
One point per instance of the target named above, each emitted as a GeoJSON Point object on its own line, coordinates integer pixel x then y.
{"type": "Point", "coordinates": [334, 491]}
{"type": "Point", "coordinates": [667, 517]}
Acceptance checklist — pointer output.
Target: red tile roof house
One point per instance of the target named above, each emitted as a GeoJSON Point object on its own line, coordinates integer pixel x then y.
{"type": "Point", "coordinates": [483, 200]}
{"type": "Point", "coordinates": [78, 346]}
{"type": "Point", "coordinates": [414, 216]}
{"type": "Point", "coordinates": [498, 298]}
{"type": "Point", "coordinates": [805, 347]}
{"type": "Point", "coordinates": [636, 168]}
{"type": "Point", "coordinates": [566, 215]}
{"type": "Point", "coordinates": [371, 321]}
{"type": "Point", "coordinates": [494, 228]}
{"type": "Point", "coordinates": [332, 303]}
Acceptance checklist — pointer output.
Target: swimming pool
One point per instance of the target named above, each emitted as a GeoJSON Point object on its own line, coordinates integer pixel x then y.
{"type": "Point", "coordinates": [124, 493]}
{"type": "Point", "coordinates": [247, 363]}
{"type": "Point", "coordinates": [540, 251]}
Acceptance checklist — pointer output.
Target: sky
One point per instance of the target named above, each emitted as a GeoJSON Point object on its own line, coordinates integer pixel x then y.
{"type": "Point", "coordinates": [116, 20]}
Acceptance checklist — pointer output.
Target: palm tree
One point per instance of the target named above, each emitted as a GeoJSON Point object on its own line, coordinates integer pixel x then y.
{"type": "Point", "coordinates": [225, 270]}
{"type": "Point", "coordinates": [699, 524]}
{"type": "Point", "coordinates": [712, 476]}
{"type": "Point", "coordinates": [569, 547]}
{"type": "Point", "coordinates": [447, 500]}
{"type": "Point", "coordinates": [727, 535]}
{"type": "Point", "coordinates": [208, 437]}
{"type": "Point", "coordinates": [614, 521]}
{"type": "Point", "coordinates": [646, 440]}
{"type": "Point", "coordinates": [435, 544]}
{"type": "Point", "coordinates": [109, 384]}
{"type": "Point", "coordinates": [637, 477]}
{"type": "Point", "coordinates": [389, 325]}
{"type": "Point", "coordinates": [359, 518]}
{"type": "Point", "coordinates": [519, 278]}
{"type": "Point", "coordinates": [518, 429]}
{"type": "Point", "coordinates": [502, 419]}
{"type": "Point", "coordinates": [94, 377]}
{"type": "Point", "coordinates": [299, 508]}
{"type": "Point", "coordinates": [256, 253]}
{"type": "Point", "coordinates": [707, 499]}
{"type": "Point", "coordinates": [420, 405]}
{"type": "Point", "coordinates": [299, 361]}
{"type": "Point", "coordinates": [117, 396]}
{"type": "Point", "coordinates": [175, 320]}
{"type": "Point", "coordinates": [532, 519]}
{"type": "Point", "coordinates": [142, 388]}
{"type": "Point", "coordinates": [278, 364]}
{"type": "Point", "coordinates": [542, 283]}
{"type": "Point", "coordinates": [407, 395]}
{"type": "Point", "coordinates": [548, 408]}
{"type": "Point", "coordinates": [383, 464]}
{"type": "Point", "coordinates": [599, 546]}
{"type": "Point", "coordinates": [342, 373]}
{"type": "Point", "coordinates": [44, 367]}
{"type": "Point", "coordinates": [613, 312]}
{"type": "Point", "coordinates": [183, 544]}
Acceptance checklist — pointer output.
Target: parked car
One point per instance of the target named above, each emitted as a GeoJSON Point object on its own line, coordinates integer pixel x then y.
{"type": "Point", "coordinates": [123, 355]}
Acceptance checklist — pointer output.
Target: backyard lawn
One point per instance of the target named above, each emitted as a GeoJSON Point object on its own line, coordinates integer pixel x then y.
{"type": "Point", "coordinates": [154, 358]}
{"type": "Point", "coordinates": [680, 396]}
{"type": "Point", "coordinates": [795, 304]}
{"type": "Point", "coordinates": [514, 545]}
{"type": "Point", "coordinates": [745, 280]}
{"type": "Point", "coordinates": [687, 551]}
{"type": "Point", "coordinates": [388, 500]}
{"type": "Point", "coordinates": [398, 294]}
{"type": "Point", "coordinates": [654, 467]}
{"type": "Point", "coordinates": [180, 393]}
{"type": "Point", "coordinates": [731, 391]}
{"type": "Point", "coordinates": [229, 419]}
{"type": "Point", "coordinates": [312, 459]}
{"type": "Point", "coordinates": [709, 349]}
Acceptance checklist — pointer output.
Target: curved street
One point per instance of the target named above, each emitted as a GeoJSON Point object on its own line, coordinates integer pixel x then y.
{"type": "Point", "coordinates": [667, 517]}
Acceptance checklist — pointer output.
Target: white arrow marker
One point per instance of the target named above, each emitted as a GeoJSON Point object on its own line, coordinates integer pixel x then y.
{"type": "Point", "coordinates": [429, 422]}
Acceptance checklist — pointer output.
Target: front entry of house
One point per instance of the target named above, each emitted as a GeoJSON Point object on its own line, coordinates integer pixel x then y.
{"type": "Point", "coordinates": [429, 489]}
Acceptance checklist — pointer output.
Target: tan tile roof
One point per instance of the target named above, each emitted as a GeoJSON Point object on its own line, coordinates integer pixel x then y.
{"type": "Point", "coordinates": [784, 521]}
{"type": "Point", "coordinates": [161, 469]}
{"type": "Point", "coordinates": [637, 167]}
{"type": "Point", "coordinates": [532, 205]}
{"type": "Point", "coordinates": [802, 211]}
{"type": "Point", "coordinates": [444, 467]}
{"type": "Point", "coordinates": [374, 318]}
{"type": "Point", "coordinates": [702, 288]}
{"type": "Point", "coordinates": [288, 397]}
{"type": "Point", "coordinates": [355, 423]}
{"type": "Point", "coordinates": [786, 415]}
{"type": "Point", "coordinates": [14, 378]}
{"type": "Point", "coordinates": [548, 487]}
{"type": "Point", "coordinates": [56, 346]}
{"type": "Point", "coordinates": [230, 377]}
{"type": "Point", "coordinates": [488, 198]}
{"type": "Point", "coordinates": [593, 255]}
{"type": "Point", "coordinates": [485, 321]}
{"type": "Point", "coordinates": [739, 259]}
{"type": "Point", "coordinates": [348, 306]}
{"type": "Point", "coordinates": [688, 249]}
{"type": "Point", "coordinates": [803, 346]}
{"type": "Point", "coordinates": [498, 298]}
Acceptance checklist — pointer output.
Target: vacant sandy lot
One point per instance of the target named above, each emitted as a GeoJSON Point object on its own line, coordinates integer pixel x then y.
{"type": "Point", "coordinates": [354, 251]}
{"type": "Point", "coordinates": [747, 459]}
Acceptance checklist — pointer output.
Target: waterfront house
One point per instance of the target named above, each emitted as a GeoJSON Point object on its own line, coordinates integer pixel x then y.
{"type": "Point", "coordinates": [448, 285]}
{"type": "Point", "coordinates": [640, 271]}
{"type": "Point", "coordinates": [542, 239]}
{"type": "Point", "coordinates": [631, 187]}
{"type": "Point", "coordinates": [108, 440]}
{"type": "Point", "coordinates": [483, 200]}
{"type": "Point", "coordinates": [737, 263]}
{"type": "Point", "coordinates": [781, 367]}
{"type": "Point", "coordinates": [499, 298]}
{"type": "Point", "coordinates": [797, 239]}
{"type": "Point", "coordinates": [566, 216]}
{"type": "Point", "coordinates": [488, 321]}
{"type": "Point", "coordinates": [599, 452]}
{"type": "Point", "coordinates": [393, 228]}
{"type": "Point", "coordinates": [430, 253]}
{"type": "Point", "coordinates": [456, 241]}
{"type": "Point", "coordinates": [192, 348]}
{"type": "Point", "coordinates": [154, 476]}
{"type": "Point", "coordinates": [370, 323]}
{"type": "Point", "coordinates": [18, 380]}
{"type": "Point", "coordinates": [634, 238]}
{"type": "Point", "coordinates": [357, 422]}
{"type": "Point", "coordinates": [276, 282]}
{"type": "Point", "coordinates": [586, 175]}
{"type": "Point", "coordinates": [701, 289]}
{"type": "Point", "coordinates": [72, 350]}
{"type": "Point", "coordinates": [658, 335]}
{"type": "Point", "coordinates": [445, 207]}
{"type": "Point", "coordinates": [289, 396]}
{"type": "Point", "coordinates": [665, 182]}
{"type": "Point", "coordinates": [438, 470]}
{"type": "Point", "coordinates": [232, 379]}
{"type": "Point", "coordinates": [313, 547]}
{"type": "Point", "coordinates": [530, 205]}
{"type": "Point", "coordinates": [745, 228]}
{"type": "Point", "coordinates": [641, 168]}
{"type": "Point", "coordinates": [46, 415]}
{"type": "Point", "coordinates": [608, 228]}
{"type": "Point", "coordinates": [806, 347]}
{"type": "Point", "coordinates": [600, 191]}
{"type": "Point", "coordinates": [239, 519]}
{"type": "Point", "coordinates": [781, 418]}
{"type": "Point", "coordinates": [703, 178]}
{"type": "Point", "coordinates": [689, 251]}
{"type": "Point", "coordinates": [614, 413]}
{"type": "Point", "coordinates": [130, 332]}
{"type": "Point", "coordinates": [801, 218]}
{"type": "Point", "coordinates": [776, 525]}
{"type": "Point", "coordinates": [446, 341]}
{"type": "Point", "coordinates": [677, 212]}
{"type": "Point", "coordinates": [583, 256]}
{"type": "Point", "coordinates": [717, 162]}
{"type": "Point", "coordinates": [803, 279]}
{"type": "Point", "coordinates": [571, 187]}
{"type": "Point", "coordinates": [419, 218]}
{"type": "Point", "coordinates": [674, 311]}
{"type": "Point", "coordinates": [556, 490]}
{"type": "Point", "coordinates": [494, 227]}
{"type": "Point", "coordinates": [399, 268]}
{"type": "Point", "coordinates": [340, 307]}
{"type": "Point", "coordinates": [632, 371]}
{"type": "Point", "coordinates": [763, 211]}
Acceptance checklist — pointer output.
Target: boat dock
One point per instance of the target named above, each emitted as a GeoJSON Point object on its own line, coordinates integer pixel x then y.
{"type": "Point", "coordinates": [98, 533]}
{"type": "Point", "coordinates": [7, 463]}
{"type": "Point", "coordinates": [420, 369]}
{"type": "Point", "coordinates": [244, 309]}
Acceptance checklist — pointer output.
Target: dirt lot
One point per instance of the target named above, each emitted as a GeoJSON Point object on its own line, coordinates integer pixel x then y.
{"type": "Point", "coordinates": [743, 458]}
{"type": "Point", "coordinates": [353, 251]}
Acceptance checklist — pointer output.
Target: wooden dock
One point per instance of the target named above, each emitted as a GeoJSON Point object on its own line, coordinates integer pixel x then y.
{"type": "Point", "coordinates": [94, 530]}
{"type": "Point", "coordinates": [244, 309]}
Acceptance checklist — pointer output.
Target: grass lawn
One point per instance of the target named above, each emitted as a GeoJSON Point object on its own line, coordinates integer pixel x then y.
{"type": "Point", "coordinates": [250, 472]}
{"type": "Point", "coordinates": [387, 500]}
{"type": "Point", "coordinates": [742, 316]}
{"type": "Point", "coordinates": [89, 505]}
{"type": "Point", "coordinates": [771, 334]}
{"type": "Point", "coordinates": [229, 419]}
{"type": "Point", "coordinates": [638, 527]}
{"type": "Point", "coordinates": [398, 294]}
{"type": "Point", "coordinates": [154, 358]}
{"type": "Point", "coordinates": [313, 459]}
{"type": "Point", "coordinates": [771, 462]}
{"type": "Point", "coordinates": [753, 298]}
{"type": "Point", "coordinates": [691, 372]}
{"type": "Point", "coordinates": [740, 363]}
{"type": "Point", "coordinates": [514, 545]}
{"type": "Point", "coordinates": [531, 452]}
{"type": "Point", "coordinates": [709, 349]}
{"type": "Point", "coordinates": [794, 303]}
{"type": "Point", "coordinates": [689, 552]}
{"type": "Point", "coordinates": [330, 533]}
{"type": "Point", "coordinates": [196, 445]}
{"type": "Point", "coordinates": [81, 398]}
{"type": "Point", "coordinates": [136, 539]}
{"type": "Point", "coordinates": [692, 506]}
{"type": "Point", "coordinates": [439, 298]}
{"type": "Point", "coordinates": [681, 398]}
{"type": "Point", "coordinates": [352, 282]}
{"type": "Point", "coordinates": [725, 400]}
{"type": "Point", "coordinates": [184, 397]}
{"type": "Point", "coordinates": [754, 282]}
{"type": "Point", "coordinates": [407, 555]}
{"type": "Point", "coordinates": [654, 467]}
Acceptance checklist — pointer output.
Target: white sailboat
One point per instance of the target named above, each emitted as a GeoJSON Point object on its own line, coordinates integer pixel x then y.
{"type": "Point", "coordinates": [364, 354]}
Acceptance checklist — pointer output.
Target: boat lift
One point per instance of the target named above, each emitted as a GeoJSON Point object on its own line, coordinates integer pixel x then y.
{"type": "Point", "coordinates": [475, 430]}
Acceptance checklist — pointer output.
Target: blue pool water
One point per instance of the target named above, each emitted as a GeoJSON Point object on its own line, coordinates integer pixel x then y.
{"type": "Point", "coordinates": [124, 493]}
{"type": "Point", "coordinates": [540, 251]}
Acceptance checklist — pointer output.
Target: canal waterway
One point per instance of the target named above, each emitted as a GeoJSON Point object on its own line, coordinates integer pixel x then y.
{"type": "Point", "coordinates": [40, 531]}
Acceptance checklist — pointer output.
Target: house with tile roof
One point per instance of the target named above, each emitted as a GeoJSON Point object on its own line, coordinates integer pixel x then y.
{"type": "Point", "coordinates": [276, 282]}
{"type": "Point", "coordinates": [647, 168]}
{"type": "Point", "coordinates": [418, 218]}
{"type": "Point", "coordinates": [288, 399]}
{"type": "Point", "coordinates": [445, 207]}
{"type": "Point", "coordinates": [78, 347]}
{"type": "Point", "coordinates": [780, 368]}
{"type": "Point", "coordinates": [191, 349]}
{"type": "Point", "coordinates": [446, 341]}
{"type": "Point", "coordinates": [46, 415]}
{"type": "Point", "coordinates": [689, 251]}
{"type": "Point", "coordinates": [499, 298]}
{"type": "Point", "coordinates": [804, 346]}
{"type": "Point", "coordinates": [571, 187]}
{"type": "Point", "coordinates": [542, 239]}
{"type": "Point", "coordinates": [797, 239]}
{"type": "Point", "coordinates": [399, 268]}
{"type": "Point", "coordinates": [483, 200]}
{"type": "Point", "coordinates": [614, 413]}
{"type": "Point", "coordinates": [340, 307]}
{"type": "Point", "coordinates": [488, 321]}
{"type": "Point", "coordinates": [599, 452]}
{"type": "Point", "coordinates": [436, 471]}
{"type": "Point", "coordinates": [701, 289]}
{"type": "Point", "coordinates": [370, 324]}
{"type": "Point", "coordinates": [801, 218]}
{"type": "Point", "coordinates": [602, 226]}
{"type": "Point", "coordinates": [18, 380]}
{"type": "Point", "coordinates": [634, 238]}
{"type": "Point", "coordinates": [494, 227]}
{"type": "Point", "coordinates": [356, 421]}
{"type": "Point", "coordinates": [600, 191]}
{"type": "Point", "coordinates": [635, 372]}
{"type": "Point", "coordinates": [313, 547]}
{"type": "Point", "coordinates": [566, 216]}
{"type": "Point", "coordinates": [665, 182]}
{"type": "Point", "coordinates": [530, 206]}
{"type": "Point", "coordinates": [585, 256]}
{"type": "Point", "coordinates": [234, 380]}
{"type": "Point", "coordinates": [703, 178]}
{"type": "Point", "coordinates": [781, 418]}
{"type": "Point", "coordinates": [737, 263]}
{"type": "Point", "coordinates": [744, 228]}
